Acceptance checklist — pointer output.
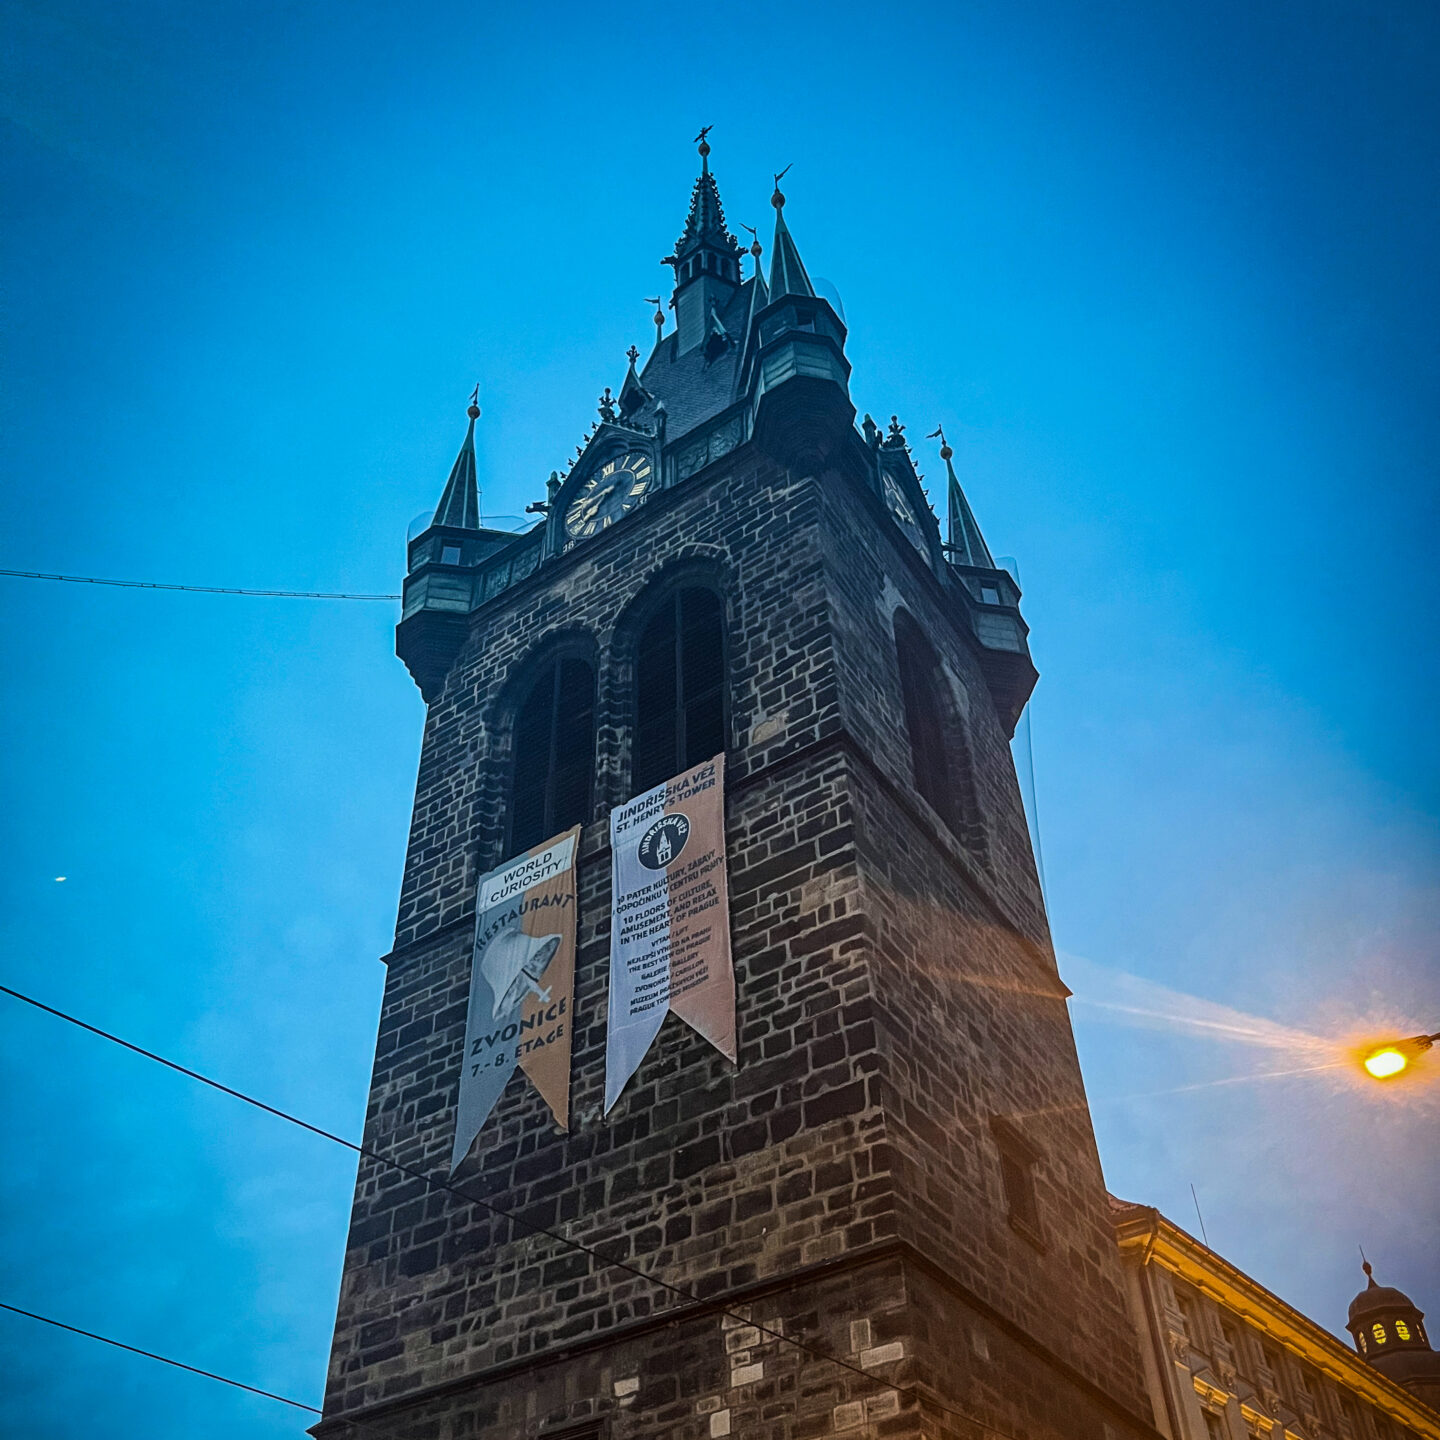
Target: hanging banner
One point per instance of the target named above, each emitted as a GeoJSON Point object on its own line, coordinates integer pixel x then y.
{"type": "Point", "coordinates": [522, 986]}
{"type": "Point", "coordinates": [669, 920]}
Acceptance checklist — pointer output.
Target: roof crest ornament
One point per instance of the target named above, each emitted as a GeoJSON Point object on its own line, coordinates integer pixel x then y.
{"type": "Point", "coordinates": [778, 199]}
{"type": "Point", "coordinates": [756, 248]}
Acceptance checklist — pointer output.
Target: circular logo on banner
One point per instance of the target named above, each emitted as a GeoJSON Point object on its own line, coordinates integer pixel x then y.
{"type": "Point", "coordinates": [663, 841]}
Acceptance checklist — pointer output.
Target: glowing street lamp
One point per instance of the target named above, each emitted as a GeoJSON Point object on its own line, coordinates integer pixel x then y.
{"type": "Point", "coordinates": [1386, 1061]}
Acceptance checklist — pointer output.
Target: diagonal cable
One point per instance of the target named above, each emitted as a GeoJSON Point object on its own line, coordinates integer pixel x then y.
{"type": "Point", "coordinates": [696, 1303]}
{"type": "Point", "coordinates": [193, 589]}
{"type": "Point", "coordinates": [163, 1359]}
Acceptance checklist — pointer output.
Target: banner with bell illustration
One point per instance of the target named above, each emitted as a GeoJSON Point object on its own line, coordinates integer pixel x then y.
{"type": "Point", "coordinates": [669, 920]}
{"type": "Point", "coordinates": [522, 986]}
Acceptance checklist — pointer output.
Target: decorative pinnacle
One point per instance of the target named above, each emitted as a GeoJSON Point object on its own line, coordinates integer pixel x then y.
{"type": "Point", "coordinates": [632, 354]}
{"type": "Point", "coordinates": [945, 451]}
{"type": "Point", "coordinates": [777, 199]}
{"type": "Point", "coordinates": [756, 248]}
{"type": "Point", "coordinates": [474, 411]}
{"type": "Point", "coordinates": [607, 405]}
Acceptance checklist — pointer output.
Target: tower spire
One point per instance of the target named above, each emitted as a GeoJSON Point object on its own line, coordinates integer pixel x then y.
{"type": "Point", "coordinates": [706, 259]}
{"type": "Point", "coordinates": [966, 545]}
{"type": "Point", "coordinates": [788, 275]}
{"type": "Point", "coordinates": [460, 504]}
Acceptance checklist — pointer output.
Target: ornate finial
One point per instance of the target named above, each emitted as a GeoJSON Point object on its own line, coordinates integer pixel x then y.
{"type": "Point", "coordinates": [607, 405]}
{"type": "Point", "coordinates": [702, 142]}
{"type": "Point", "coordinates": [658, 317]}
{"type": "Point", "coordinates": [777, 199]}
{"type": "Point", "coordinates": [632, 354]}
{"type": "Point", "coordinates": [474, 411]}
{"type": "Point", "coordinates": [896, 437]}
{"type": "Point", "coordinates": [945, 451]}
{"type": "Point", "coordinates": [756, 248]}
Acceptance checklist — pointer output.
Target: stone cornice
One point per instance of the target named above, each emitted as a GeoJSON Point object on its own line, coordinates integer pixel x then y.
{"type": "Point", "coordinates": [1144, 1229]}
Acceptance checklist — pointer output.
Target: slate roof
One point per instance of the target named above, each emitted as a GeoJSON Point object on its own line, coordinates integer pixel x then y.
{"type": "Point", "coordinates": [460, 504]}
{"type": "Point", "coordinates": [693, 387]}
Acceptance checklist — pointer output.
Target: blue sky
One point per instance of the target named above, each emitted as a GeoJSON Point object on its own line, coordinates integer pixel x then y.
{"type": "Point", "coordinates": [1165, 273]}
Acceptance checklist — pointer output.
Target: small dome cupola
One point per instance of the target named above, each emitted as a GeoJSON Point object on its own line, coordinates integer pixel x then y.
{"type": "Point", "coordinates": [1389, 1331]}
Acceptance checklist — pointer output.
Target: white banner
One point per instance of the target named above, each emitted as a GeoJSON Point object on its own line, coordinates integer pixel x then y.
{"type": "Point", "coordinates": [669, 920]}
{"type": "Point", "coordinates": [522, 984]}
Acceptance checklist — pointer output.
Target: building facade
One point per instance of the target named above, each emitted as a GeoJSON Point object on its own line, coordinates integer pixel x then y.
{"type": "Point", "coordinates": [887, 1217]}
{"type": "Point", "coordinates": [1227, 1360]}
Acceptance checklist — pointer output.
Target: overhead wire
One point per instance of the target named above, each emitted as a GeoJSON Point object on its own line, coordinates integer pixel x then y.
{"type": "Point", "coordinates": [697, 1304]}
{"type": "Point", "coordinates": [163, 1359]}
{"type": "Point", "coordinates": [194, 589]}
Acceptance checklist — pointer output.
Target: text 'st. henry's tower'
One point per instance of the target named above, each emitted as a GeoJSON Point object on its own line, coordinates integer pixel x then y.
{"type": "Point", "coordinates": [886, 1216]}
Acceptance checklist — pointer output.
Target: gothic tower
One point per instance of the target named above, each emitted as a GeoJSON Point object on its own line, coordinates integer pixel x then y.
{"type": "Point", "coordinates": [886, 1217]}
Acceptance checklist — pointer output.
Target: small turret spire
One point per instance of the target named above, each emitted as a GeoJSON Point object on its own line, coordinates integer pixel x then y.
{"type": "Point", "coordinates": [459, 506]}
{"type": "Point", "coordinates": [965, 544]}
{"type": "Point", "coordinates": [788, 275]}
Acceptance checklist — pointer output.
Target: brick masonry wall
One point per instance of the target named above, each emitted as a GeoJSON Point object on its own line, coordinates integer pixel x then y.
{"type": "Point", "coordinates": [849, 1122]}
{"type": "Point", "coordinates": [971, 1014]}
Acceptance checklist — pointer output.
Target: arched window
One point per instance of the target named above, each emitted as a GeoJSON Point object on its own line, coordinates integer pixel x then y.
{"type": "Point", "coordinates": [939, 752]}
{"type": "Point", "coordinates": [679, 687]}
{"type": "Point", "coordinates": [1378, 1331]}
{"type": "Point", "coordinates": [554, 753]}
{"type": "Point", "coordinates": [1402, 1330]}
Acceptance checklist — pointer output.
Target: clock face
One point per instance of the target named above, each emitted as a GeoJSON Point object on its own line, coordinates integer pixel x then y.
{"type": "Point", "coordinates": [607, 493]}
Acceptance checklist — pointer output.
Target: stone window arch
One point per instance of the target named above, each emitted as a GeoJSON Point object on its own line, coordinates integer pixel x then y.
{"type": "Point", "coordinates": [680, 685]}
{"type": "Point", "coordinates": [939, 746]}
{"type": "Point", "coordinates": [553, 751]}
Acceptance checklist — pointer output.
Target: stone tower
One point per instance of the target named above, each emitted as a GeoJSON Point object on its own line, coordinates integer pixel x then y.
{"type": "Point", "coordinates": [888, 1217]}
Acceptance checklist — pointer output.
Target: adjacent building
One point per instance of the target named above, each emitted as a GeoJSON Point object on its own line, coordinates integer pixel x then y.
{"type": "Point", "coordinates": [1225, 1359]}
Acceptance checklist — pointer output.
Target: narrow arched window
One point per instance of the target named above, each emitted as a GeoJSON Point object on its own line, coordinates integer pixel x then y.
{"type": "Point", "coordinates": [554, 753]}
{"type": "Point", "coordinates": [1402, 1330]}
{"type": "Point", "coordinates": [1378, 1331]}
{"type": "Point", "coordinates": [679, 687]}
{"type": "Point", "coordinates": [939, 749]}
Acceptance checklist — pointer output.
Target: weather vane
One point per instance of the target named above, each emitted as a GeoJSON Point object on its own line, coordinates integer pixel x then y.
{"type": "Point", "coordinates": [777, 199]}
{"type": "Point", "coordinates": [755, 246]}
{"type": "Point", "coordinates": [939, 433]}
{"type": "Point", "coordinates": [705, 130]}
{"type": "Point", "coordinates": [659, 316]}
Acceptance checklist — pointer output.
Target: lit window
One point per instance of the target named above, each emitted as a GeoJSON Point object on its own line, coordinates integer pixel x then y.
{"type": "Point", "coordinates": [449, 554]}
{"type": "Point", "coordinates": [1378, 1331]}
{"type": "Point", "coordinates": [679, 688]}
{"type": "Point", "coordinates": [554, 753]}
{"type": "Point", "coordinates": [1402, 1330]}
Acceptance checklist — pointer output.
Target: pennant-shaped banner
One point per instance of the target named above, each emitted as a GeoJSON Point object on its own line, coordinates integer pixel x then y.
{"type": "Point", "coordinates": [522, 986]}
{"type": "Point", "coordinates": [669, 920]}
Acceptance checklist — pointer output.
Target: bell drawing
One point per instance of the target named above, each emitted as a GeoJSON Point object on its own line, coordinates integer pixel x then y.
{"type": "Point", "coordinates": [513, 963]}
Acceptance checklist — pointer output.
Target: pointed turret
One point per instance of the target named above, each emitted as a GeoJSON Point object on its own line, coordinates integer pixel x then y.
{"type": "Point", "coordinates": [459, 506]}
{"type": "Point", "coordinates": [964, 542]}
{"type": "Point", "coordinates": [794, 366]}
{"type": "Point", "coordinates": [706, 260]}
{"type": "Point", "coordinates": [788, 275]}
{"type": "Point", "coordinates": [750, 336]}
{"type": "Point", "coordinates": [633, 394]}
